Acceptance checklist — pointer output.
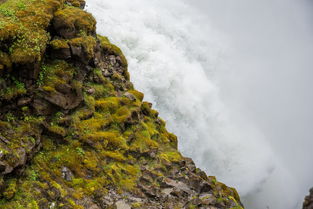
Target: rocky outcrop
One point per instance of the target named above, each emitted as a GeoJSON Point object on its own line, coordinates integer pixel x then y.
{"type": "Point", "coordinates": [308, 201]}
{"type": "Point", "coordinates": [74, 133]}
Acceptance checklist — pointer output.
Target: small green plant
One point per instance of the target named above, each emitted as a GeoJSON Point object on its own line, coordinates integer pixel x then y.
{"type": "Point", "coordinates": [25, 109]}
{"type": "Point", "coordinates": [27, 118]}
{"type": "Point", "coordinates": [21, 5]}
{"type": "Point", "coordinates": [18, 84]}
{"type": "Point", "coordinates": [42, 75]}
{"type": "Point", "coordinates": [80, 151]}
{"type": "Point", "coordinates": [2, 25]}
{"type": "Point", "coordinates": [32, 139]}
{"type": "Point", "coordinates": [7, 12]}
{"type": "Point", "coordinates": [33, 175]}
{"type": "Point", "coordinates": [10, 117]}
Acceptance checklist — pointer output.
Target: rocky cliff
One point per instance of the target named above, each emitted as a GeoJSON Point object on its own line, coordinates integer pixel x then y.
{"type": "Point", "coordinates": [74, 133]}
{"type": "Point", "coordinates": [308, 200]}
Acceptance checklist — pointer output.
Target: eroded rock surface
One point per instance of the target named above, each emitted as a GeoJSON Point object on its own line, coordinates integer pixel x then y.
{"type": "Point", "coordinates": [308, 201]}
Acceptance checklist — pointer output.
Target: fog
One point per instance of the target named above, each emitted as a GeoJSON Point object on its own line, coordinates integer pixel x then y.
{"type": "Point", "coordinates": [233, 80]}
{"type": "Point", "coordinates": [269, 78]}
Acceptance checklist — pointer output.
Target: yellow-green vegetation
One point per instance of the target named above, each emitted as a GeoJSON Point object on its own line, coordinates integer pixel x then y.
{"type": "Point", "coordinates": [59, 44]}
{"type": "Point", "coordinates": [55, 74]}
{"type": "Point", "coordinates": [75, 19]}
{"type": "Point", "coordinates": [23, 35]}
{"type": "Point", "coordinates": [14, 89]}
{"type": "Point", "coordinates": [111, 48]}
{"type": "Point", "coordinates": [88, 43]}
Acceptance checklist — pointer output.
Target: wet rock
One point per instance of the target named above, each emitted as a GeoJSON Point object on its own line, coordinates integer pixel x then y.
{"type": "Point", "coordinates": [91, 91]}
{"type": "Point", "coordinates": [188, 163]}
{"type": "Point", "coordinates": [66, 101]}
{"type": "Point", "coordinates": [5, 168]}
{"type": "Point", "coordinates": [107, 73]}
{"type": "Point", "coordinates": [150, 191]}
{"type": "Point", "coordinates": [208, 199]}
{"type": "Point", "coordinates": [112, 60]}
{"type": "Point", "coordinates": [121, 204]}
{"type": "Point", "coordinates": [167, 182]}
{"type": "Point", "coordinates": [64, 88]}
{"type": "Point", "coordinates": [308, 200]}
{"type": "Point", "coordinates": [130, 96]}
{"type": "Point", "coordinates": [24, 101]}
{"type": "Point", "coordinates": [82, 4]}
{"type": "Point", "coordinates": [87, 202]}
{"type": "Point", "coordinates": [77, 51]}
{"type": "Point", "coordinates": [4, 140]}
{"type": "Point", "coordinates": [13, 160]}
{"type": "Point", "coordinates": [205, 187]}
{"type": "Point", "coordinates": [67, 174]}
{"type": "Point", "coordinates": [42, 107]}
{"type": "Point", "coordinates": [62, 54]}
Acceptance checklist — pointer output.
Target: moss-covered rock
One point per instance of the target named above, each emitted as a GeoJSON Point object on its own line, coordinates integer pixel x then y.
{"type": "Point", "coordinates": [74, 133]}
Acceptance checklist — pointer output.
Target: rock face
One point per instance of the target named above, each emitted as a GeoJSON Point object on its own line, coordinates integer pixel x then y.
{"type": "Point", "coordinates": [308, 201]}
{"type": "Point", "coordinates": [74, 133]}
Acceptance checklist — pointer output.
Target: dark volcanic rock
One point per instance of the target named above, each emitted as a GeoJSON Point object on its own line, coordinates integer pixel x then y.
{"type": "Point", "coordinates": [308, 201]}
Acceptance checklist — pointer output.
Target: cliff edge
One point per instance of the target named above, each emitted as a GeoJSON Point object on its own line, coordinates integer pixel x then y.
{"type": "Point", "coordinates": [74, 133]}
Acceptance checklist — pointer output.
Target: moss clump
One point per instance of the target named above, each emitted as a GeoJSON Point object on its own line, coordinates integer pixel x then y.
{"type": "Point", "coordinates": [23, 37]}
{"type": "Point", "coordinates": [112, 49]}
{"type": "Point", "coordinates": [88, 43]}
{"type": "Point", "coordinates": [10, 189]}
{"type": "Point", "coordinates": [75, 21]}
{"type": "Point", "coordinates": [171, 156]}
{"type": "Point", "coordinates": [76, 3]}
{"type": "Point", "coordinates": [59, 44]}
{"type": "Point", "coordinates": [55, 74]}
{"type": "Point", "coordinates": [137, 94]}
{"type": "Point", "coordinates": [15, 88]}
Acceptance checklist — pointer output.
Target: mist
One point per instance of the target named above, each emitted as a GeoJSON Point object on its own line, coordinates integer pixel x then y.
{"type": "Point", "coordinates": [233, 80]}
{"type": "Point", "coordinates": [269, 78]}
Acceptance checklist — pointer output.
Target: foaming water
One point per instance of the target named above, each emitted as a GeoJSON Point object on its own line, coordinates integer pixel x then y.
{"type": "Point", "coordinates": [175, 57]}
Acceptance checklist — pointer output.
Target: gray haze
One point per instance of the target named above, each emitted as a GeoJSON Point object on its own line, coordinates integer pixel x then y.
{"type": "Point", "coordinates": [269, 78]}
{"type": "Point", "coordinates": [234, 84]}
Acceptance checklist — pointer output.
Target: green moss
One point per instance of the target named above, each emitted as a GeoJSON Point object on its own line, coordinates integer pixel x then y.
{"type": "Point", "coordinates": [15, 89]}
{"type": "Point", "coordinates": [112, 49]}
{"type": "Point", "coordinates": [88, 43]}
{"type": "Point", "coordinates": [57, 130]}
{"type": "Point", "coordinates": [137, 94]}
{"type": "Point", "coordinates": [10, 189]}
{"type": "Point", "coordinates": [54, 74]}
{"type": "Point", "coordinates": [75, 19]}
{"type": "Point", "coordinates": [142, 141]}
{"type": "Point", "coordinates": [90, 102]}
{"type": "Point", "coordinates": [75, 3]}
{"type": "Point", "coordinates": [101, 90]}
{"type": "Point", "coordinates": [137, 204]}
{"type": "Point", "coordinates": [114, 155]}
{"type": "Point", "coordinates": [22, 31]}
{"type": "Point", "coordinates": [122, 114]}
{"type": "Point", "coordinates": [109, 104]}
{"type": "Point", "coordinates": [122, 175]}
{"type": "Point", "coordinates": [171, 156]}
{"type": "Point", "coordinates": [59, 44]}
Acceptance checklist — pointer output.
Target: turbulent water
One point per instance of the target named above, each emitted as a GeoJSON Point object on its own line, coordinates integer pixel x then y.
{"type": "Point", "coordinates": [178, 59]}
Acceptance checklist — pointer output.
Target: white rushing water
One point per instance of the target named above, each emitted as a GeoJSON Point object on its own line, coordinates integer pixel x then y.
{"type": "Point", "coordinates": [187, 67]}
